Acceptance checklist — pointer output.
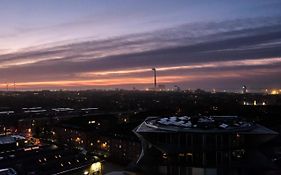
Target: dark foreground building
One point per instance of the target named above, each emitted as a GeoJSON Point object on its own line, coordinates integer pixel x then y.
{"type": "Point", "coordinates": [201, 145]}
{"type": "Point", "coordinates": [20, 156]}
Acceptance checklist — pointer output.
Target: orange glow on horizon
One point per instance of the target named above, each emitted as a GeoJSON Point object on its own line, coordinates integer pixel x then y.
{"type": "Point", "coordinates": [97, 82]}
{"type": "Point", "coordinates": [121, 81]}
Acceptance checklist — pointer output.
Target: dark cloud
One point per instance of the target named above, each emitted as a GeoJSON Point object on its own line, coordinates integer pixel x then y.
{"type": "Point", "coordinates": [257, 38]}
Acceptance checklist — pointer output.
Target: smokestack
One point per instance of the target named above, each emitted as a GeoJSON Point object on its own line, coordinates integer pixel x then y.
{"type": "Point", "coordinates": [154, 71]}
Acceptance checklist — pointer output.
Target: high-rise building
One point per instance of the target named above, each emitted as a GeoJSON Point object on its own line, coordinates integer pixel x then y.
{"type": "Point", "coordinates": [198, 145]}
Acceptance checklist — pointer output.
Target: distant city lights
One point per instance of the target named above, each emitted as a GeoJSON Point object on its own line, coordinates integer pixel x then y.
{"type": "Point", "coordinates": [275, 92]}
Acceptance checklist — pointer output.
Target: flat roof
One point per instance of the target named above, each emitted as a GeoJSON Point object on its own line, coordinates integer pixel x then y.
{"type": "Point", "coordinates": [7, 171]}
{"type": "Point", "coordinates": [10, 139]}
{"type": "Point", "coordinates": [213, 124]}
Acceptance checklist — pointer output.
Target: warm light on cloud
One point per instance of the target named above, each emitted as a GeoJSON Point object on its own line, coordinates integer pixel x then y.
{"type": "Point", "coordinates": [216, 64]}
{"type": "Point", "coordinates": [12, 63]}
{"type": "Point", "coordinates": [133, 81]}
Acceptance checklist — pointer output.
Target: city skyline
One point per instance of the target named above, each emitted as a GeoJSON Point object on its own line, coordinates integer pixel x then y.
{"type": "Point", "coordinates": [105, 44]}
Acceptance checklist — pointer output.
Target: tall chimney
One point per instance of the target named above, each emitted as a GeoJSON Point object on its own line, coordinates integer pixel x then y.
{"type": "Point", "coordinates": [154, 71]}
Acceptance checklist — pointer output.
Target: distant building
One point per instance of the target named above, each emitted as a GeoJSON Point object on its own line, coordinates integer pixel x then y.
{"type": "Point", "coordinates": [102, 134]}
{"type": "Point", "coordinates": [181, 145]}
{"type": "Point", "coordinates": [244, 89]}
{"type": "Point", "coordinates": [177, 88]}
{"type": "Point", "coordinates": [161, 87]}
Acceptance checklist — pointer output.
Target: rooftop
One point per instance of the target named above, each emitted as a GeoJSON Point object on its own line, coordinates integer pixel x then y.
{"type": "Point", "coordinates": [10, 139]}
{"type": "Point", "coordinates": [7, 171]}
{"type": "Point", "coordinates": [202, 124]}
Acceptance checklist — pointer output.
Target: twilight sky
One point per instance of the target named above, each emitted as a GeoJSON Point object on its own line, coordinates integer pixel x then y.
{"type": "Point", "coordinates": [114, 43]}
